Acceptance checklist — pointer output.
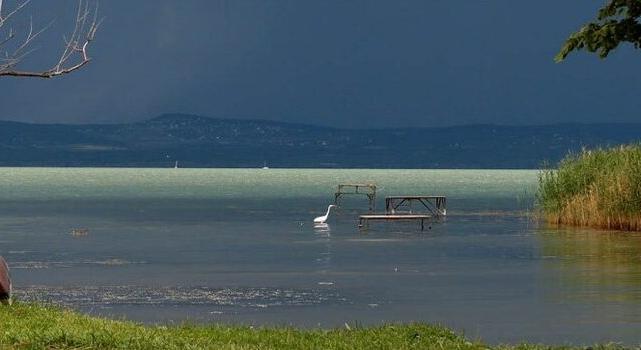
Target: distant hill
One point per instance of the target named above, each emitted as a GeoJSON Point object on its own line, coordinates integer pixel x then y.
{"type": "Point", "coordinates": [197, 141]}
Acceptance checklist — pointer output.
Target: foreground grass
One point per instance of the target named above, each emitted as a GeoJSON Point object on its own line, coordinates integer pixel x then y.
{"type": "Point", "coordinates": [29, 326]}
{"type": "Point", "coordinates": [599, 188]}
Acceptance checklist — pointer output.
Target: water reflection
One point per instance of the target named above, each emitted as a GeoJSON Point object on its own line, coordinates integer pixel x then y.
{"type": "Point", "coordinates": [591, 266]}
{"type": "Point", "coordinates": [322, 229]}
{"type": "Point", "coordinates": [324, 258]}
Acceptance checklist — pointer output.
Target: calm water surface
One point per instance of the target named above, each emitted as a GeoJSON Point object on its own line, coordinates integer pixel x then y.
{"type": "Point", "coordinates": [238, 246]}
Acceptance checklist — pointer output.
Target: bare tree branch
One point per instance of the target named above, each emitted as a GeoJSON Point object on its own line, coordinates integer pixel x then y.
{"type": "Point", "coordinates": [74, 56]}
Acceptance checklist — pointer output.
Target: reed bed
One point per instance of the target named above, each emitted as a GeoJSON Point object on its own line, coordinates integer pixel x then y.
{"type": "Point", "coordinates": [595, 188]}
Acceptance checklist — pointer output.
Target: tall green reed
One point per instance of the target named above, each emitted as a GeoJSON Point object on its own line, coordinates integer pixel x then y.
{"type": "Point", "coordinates": [599, 188]}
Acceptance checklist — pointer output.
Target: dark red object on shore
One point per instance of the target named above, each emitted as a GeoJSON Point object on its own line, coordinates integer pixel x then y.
{"type": "Point", "coordinates": [5, 282]}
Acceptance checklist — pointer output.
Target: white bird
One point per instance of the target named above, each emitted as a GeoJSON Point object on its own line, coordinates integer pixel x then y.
{"type": "Point", "coordinates": [323, 219]}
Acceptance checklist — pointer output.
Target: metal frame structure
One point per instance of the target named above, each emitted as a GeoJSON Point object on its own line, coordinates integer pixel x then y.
{"type": "Point", "coordinates": [434, 205]}
{"type": "Point", "coordinates": [368, 190]}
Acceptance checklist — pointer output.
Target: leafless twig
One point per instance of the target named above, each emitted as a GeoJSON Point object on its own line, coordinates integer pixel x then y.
{"type": "Point", "coordinates": [74, 56]}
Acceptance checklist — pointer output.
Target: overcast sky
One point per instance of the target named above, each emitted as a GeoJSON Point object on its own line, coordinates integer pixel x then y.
{"type": "Point", "coordinates": [366, 63]}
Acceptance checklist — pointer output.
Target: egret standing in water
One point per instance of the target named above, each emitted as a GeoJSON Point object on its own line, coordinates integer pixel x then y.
{"type": "Point", "coordinates": [323, 219]}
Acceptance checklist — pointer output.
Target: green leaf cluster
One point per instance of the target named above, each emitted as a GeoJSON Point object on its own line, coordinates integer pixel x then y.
{"type": "Point", "coordinates": [617, 22]}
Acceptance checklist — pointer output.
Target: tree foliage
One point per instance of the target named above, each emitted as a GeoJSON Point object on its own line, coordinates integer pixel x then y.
{"type": "Point", "coordinates": [617, 22]}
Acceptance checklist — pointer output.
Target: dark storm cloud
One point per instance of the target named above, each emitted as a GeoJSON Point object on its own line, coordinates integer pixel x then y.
{"type": "Point", "coordinates": [349, 63]}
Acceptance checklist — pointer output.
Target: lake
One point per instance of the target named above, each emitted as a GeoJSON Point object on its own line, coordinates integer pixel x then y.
{"type": "Point", "coordinates": [239, 246]}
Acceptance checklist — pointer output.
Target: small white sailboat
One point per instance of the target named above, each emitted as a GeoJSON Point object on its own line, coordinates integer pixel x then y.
{"type": "Point", "coordinates": [265, 167]}
{"type": "Point", "coordinates": [176, 165]}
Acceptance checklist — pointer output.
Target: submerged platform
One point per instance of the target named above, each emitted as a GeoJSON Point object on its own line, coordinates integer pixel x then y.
{"type": "Point", "coordinates": [363, 220]}
{"type": "Point", "coordinates": [401, 208]}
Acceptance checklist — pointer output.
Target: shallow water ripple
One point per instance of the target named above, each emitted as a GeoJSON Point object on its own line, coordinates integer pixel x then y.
{"type": "Point", "coordinates": [144, 295]}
